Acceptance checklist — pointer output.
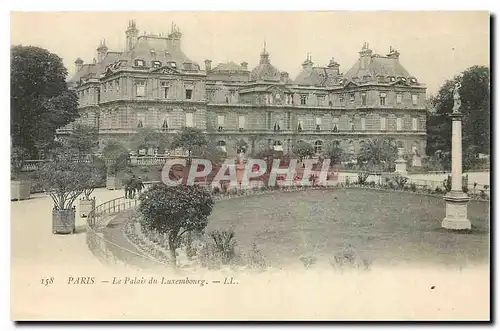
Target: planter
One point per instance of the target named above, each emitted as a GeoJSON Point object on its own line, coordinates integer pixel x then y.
{"type": "Point", "coordinates": [20, 189]}
{"type": "Point", "coordinates": [113, 183]}
{"type": "Point", "coordinates": [63, 221]}
{"type": "Point", "coordinates": [86, 206]}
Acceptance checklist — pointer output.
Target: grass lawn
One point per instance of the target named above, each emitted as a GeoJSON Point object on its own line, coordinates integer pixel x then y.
{"type": "Point", "coordinates": [386, 227]}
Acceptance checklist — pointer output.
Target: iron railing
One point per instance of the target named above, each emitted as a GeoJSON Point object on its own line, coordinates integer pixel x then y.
{"type": "Point", "coordinates": [104, 250]}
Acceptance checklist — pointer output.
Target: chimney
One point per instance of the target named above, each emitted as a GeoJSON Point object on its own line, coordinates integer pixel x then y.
{"type": "Point", "coordinates": [307, 64]}
{"type": "Point", "coordinates": [132, 34]}
{"type": "Point", "coordinates": [102, 50]}
{"type": "Point", "coordinates": [365, 56]}
{"type": "Point", "coordinates": [284, 77]}
{"type": "Point", "coordinates": [244, 65]}
{"type": "Point", "coordinates": [78, 64]}
{"type": "Point", "coordinates": [208, 65]}
{"type": "Point", "coordinates": [334, 65]}
{"type": "Point", "coordinates": [393, 54]}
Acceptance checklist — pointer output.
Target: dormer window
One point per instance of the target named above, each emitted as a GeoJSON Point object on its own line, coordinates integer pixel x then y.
{"type": "Point", "coordinates": [403, 79]}
{"type": "Point", "coordinates": [351, 97]}
{"type": "Point", "coordinates": [156, 64]}
{"type": "Point", "coordinates": [382, 98]}
{"type": "Point", "coordinates": [413, 80]}
{"type": "Point", "coordinates": [393, 79]}
{"type": "Point", "coordinates": [139, 63]}
{"type": "Point", "coordinates": [173, 64]}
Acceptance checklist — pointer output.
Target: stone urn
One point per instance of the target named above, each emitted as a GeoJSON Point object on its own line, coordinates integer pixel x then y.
{"type": "Point", "coordinates": [86, 206]}
{"type": "Point", "coordinates": [63, 221]}
{"type": "Point", "coordinates": [113, 183]}
{"type": "Point", "coordinates": [20, 189]}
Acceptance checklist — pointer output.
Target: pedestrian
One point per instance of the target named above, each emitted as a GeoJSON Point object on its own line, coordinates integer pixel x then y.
{"type": "Point", "coordinates": [131, 186]}
{"type": "Point", "coordinates": [139, 185]}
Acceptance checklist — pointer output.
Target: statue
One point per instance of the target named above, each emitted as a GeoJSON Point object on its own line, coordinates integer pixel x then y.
{"type": "Point", "coordinates": [456, 98]}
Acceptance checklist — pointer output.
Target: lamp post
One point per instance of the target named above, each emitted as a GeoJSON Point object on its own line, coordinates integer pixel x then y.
{"type": "Point", "coordinates": [456, 200]}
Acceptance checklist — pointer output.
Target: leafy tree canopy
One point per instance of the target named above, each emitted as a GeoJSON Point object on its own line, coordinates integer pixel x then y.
{"type": "Point", "coordinates": [189, 139]}
{"type": "Point", "coordinates": [303, 149]}
{"type": "Point", "coordinates": [377, 154]}
{"type": "Point", "coordinates": [475, 97]}
{"type": "Point", "coordinates": [40, 99]}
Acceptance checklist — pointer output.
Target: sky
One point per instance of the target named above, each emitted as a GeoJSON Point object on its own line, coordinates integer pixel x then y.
{"type": "Point", "coordinates": [434, 45]}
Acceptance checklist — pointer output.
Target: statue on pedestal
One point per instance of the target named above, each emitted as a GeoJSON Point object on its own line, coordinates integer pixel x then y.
{"type": "Point", "coordinates": [456, 98]}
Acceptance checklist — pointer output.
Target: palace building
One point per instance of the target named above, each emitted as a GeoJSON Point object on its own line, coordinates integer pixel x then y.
{"type": "Point", "coordinates": [152, 83]}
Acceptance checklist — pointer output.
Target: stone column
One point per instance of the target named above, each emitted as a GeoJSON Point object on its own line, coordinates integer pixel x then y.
{"type": "Point", "coordinates": [456, 200]}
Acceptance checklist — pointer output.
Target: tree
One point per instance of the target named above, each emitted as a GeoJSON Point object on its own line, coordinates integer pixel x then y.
{"type": "Point", "coordinates": [475, 97]}
{"type": "Point", "coordinates": [254, 138]}
{"type": "Point", "coordinates": [175, 210]}
{"type": "Point", "coordinates": [116, 156]}
{"type": "Point", "coordinates": [377, 154]}
{"type": "Point", "coordinates": [146, 138]}
{"type": "Point", "coordinates": [82, 141]}
{"type": "Point", "coordinates": [334, 153]}
{"type": "Point", "coordinates": [188, 139]}
{"type": "Point", "coordinates": [64, 181]}
{"type": "Point", "coordinates": [40, 99]}
{"type": "Point", "coordinates": [303, 149]}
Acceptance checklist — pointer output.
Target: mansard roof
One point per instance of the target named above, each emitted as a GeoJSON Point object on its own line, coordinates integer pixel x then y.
{"type": "Point", "coordinates": [318, 76]}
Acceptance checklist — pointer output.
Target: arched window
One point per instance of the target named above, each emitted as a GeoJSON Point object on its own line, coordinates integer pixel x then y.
{"type": "Point", "coordinates": [164, 123]}
{"type": "Point", "coordinates": [318, 145]}
{"type": "Point", "coordinates": [351, 146]}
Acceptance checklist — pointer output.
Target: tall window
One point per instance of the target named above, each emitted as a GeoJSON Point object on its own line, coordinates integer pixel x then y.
{"type": "Point", "coordinates": [363, 123]}
{"type": "Point", "coordinates": [241, 122]}
{"type": "Point", "coordinates": [383, 123]}
{"type": "Point", "coordinates": [399, 124]}
{"type": "Point", "coordinates": [341, 98]}
{"type": "Point", "coordinates": [220, 122]}
{"type": "Point", "coordinates": [321, 100]}
{"type": "Point", "coordinates": [164, 89]}
{"type": "Point", "coordinates": [300, 126]}
{"type": "Point", "coordinates": [363, 98]}
{"type": "Point", "coordinates": [165, 124]}
{"type": "Point", "coordinates": [269, 124]}
{"type": "Point", "coordinates": [399, 98]}
{"type": "Point", "coordinates": [140, 88]}
{"type": "Point", "coordinates": [318, 144]}
{"type": "Point", "coordinates": [289, 98]}
{"type": "Point", "coordinates": [351, 97]}
{"type": "Point", "coordinates": [189, 93]}
{"type": "Point", "coordinates": [303, 98]}
{"type": "Point", "coordinates": [288, 120]}
{"type": "Point", "coordinates": [335, 124]}
{"type": "Point", "coordinates": [318, 123]}
{"type": "Point", "coordinates": [117, 85]}
{"type": "Point", "coordinates": [382, 98]}
{"type": "Point", "coordinates": [414, 124]}
{"type": "Point", "coordinates": [189, 120]}
{"type": "Point", "coordinates": [414, 99]}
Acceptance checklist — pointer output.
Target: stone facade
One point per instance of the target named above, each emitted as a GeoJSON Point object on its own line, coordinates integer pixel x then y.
{"type": "Point", "coordinates": [154, 84]}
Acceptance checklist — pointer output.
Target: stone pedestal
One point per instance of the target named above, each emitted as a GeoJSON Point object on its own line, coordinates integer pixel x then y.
{"type": "Point", "coordinates": [456, 211]}
{"type": "Point", "coordinates": [400, 163]}
{"type": "Point", "coordinates": [456, 200]}
{"type": "Point", "coordinates": [416, 161]}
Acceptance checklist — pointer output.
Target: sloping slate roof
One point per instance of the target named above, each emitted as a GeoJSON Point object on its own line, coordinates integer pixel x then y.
{"type": "Point", "coordinates": [379, 65]}
{"type": "Point", "coordinates": [229, 66]}
{"type": "Point", "coordinates": [265, 71]}
{"type": "Point", "coordinates": [164, 52]}
{"type": "Point", "coordinates": [318, 76]}
{"type": "Point", "coordinates": [96, 68]}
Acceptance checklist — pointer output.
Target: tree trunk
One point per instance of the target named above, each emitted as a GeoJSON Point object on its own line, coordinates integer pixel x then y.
{"type": "Point", "coordinates": [172, 241]}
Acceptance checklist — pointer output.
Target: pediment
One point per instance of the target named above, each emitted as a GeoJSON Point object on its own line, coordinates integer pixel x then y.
{"type": "Point", "coordinates": [165, 70]}
{"type": "Point", "coordinates": [351, 84]}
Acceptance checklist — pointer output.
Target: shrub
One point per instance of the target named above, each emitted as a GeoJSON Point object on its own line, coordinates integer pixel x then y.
{"type": "Point", "coordinates": [362, 177]}
{"type": "Point", "coordinates": [308, 260]}
{"type": "Point", "coordinates": [438, 190]}
{"type": "Point", "coordinates": [413, 187]}
{"type": "Point", "coordinates": [447, 184]}
{"type": "Point", "coordinates": [465, 189]}
{"type": "Point", "coordinates": [372, 183]}
{"type": "Point", "coordinates": [224, 244]}
{"type": "Point", "coordinates": [483, 195]}
{"type": "Point", "coordinates": [175, 210]}
{"type": "Point", "coordinates": [350, 259]}
{"type": "Point", "coordinates": [391, 185]}
{"type": "Point", "coordinates": [400, 181]}
{"type": "Point", "coordinates": [216, 191]}
{"type": "Point", "coordinates": [256, 258]}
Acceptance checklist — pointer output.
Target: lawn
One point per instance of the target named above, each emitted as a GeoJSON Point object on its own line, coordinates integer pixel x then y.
{"type": "Point", "coordinates": [385, 227]}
